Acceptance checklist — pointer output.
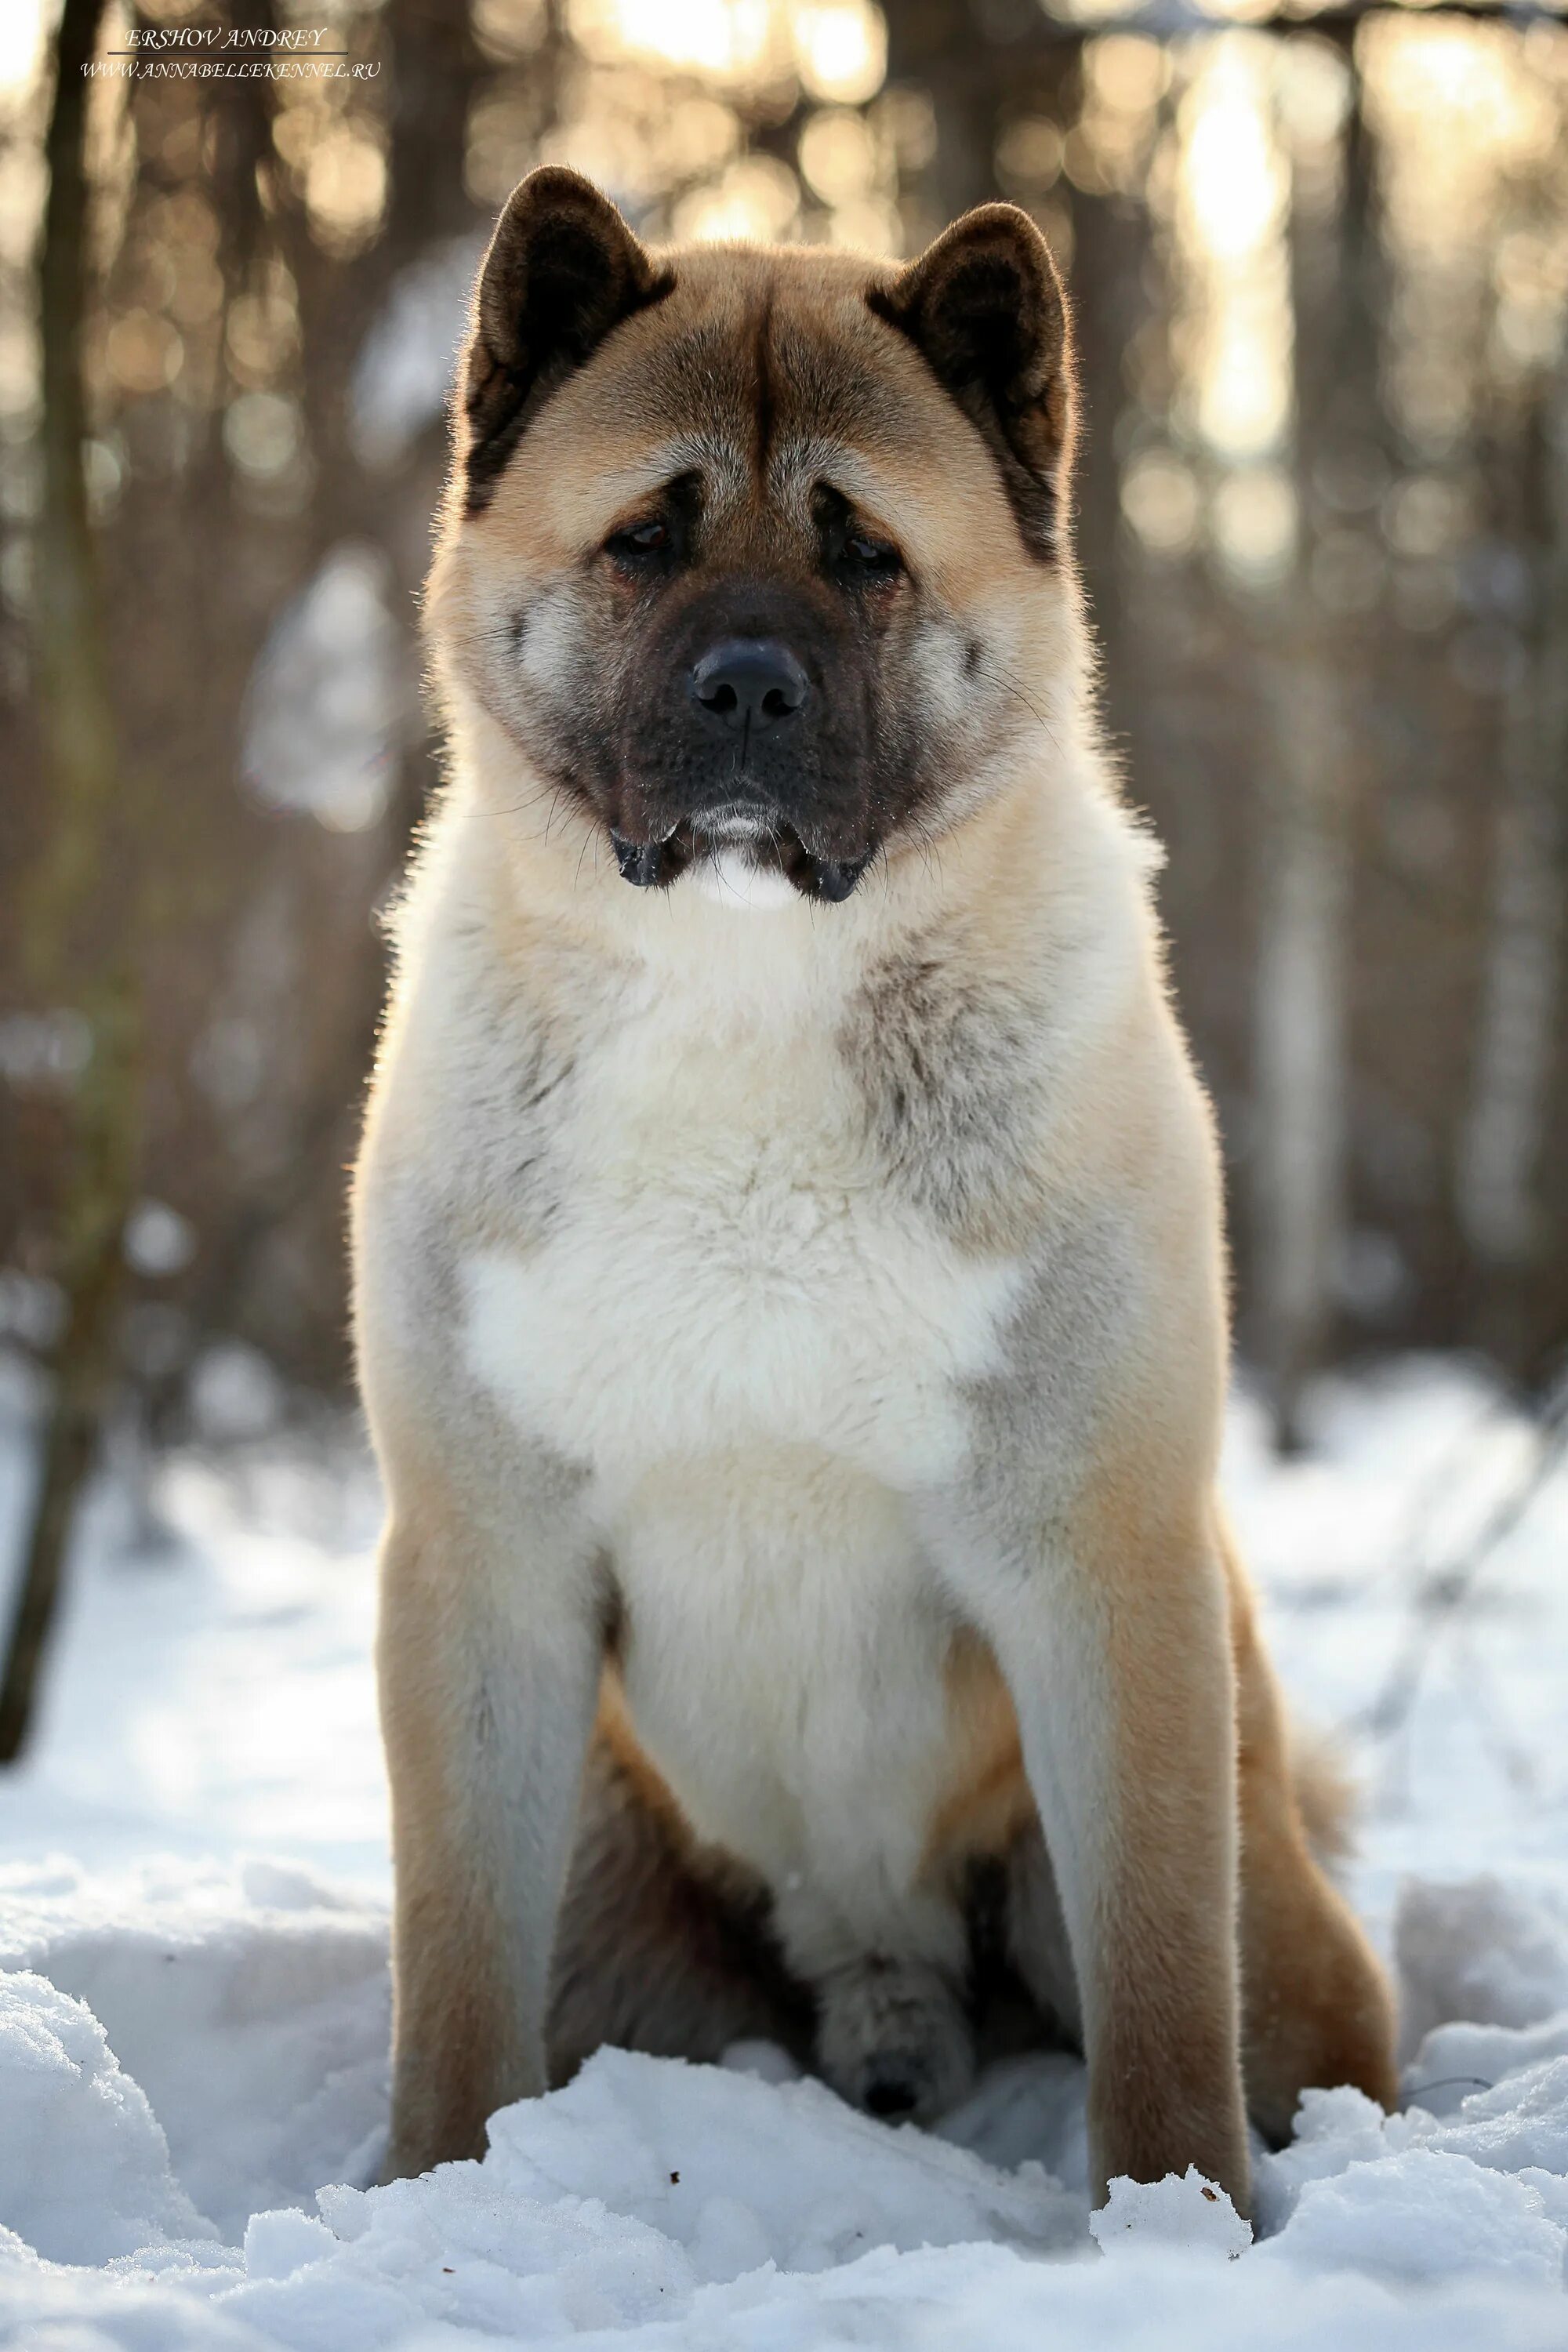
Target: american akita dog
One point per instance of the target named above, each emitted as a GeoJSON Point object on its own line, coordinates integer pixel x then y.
{"type": "Point", "coordinates": [791, 1286]}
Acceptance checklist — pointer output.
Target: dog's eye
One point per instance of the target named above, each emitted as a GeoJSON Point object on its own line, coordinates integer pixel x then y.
{"type": "Point", "coordinates": [868, 560]}
{"type": "Point", "coordinates": [639, 540]}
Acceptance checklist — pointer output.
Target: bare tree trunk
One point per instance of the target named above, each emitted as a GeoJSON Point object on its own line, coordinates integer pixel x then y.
{"type": "Point", "coordinates": [1300, 1043]}
{"type": "Point", "coordinates": [1300, 1087]}
{"type": "Point", "coordinates": [83, 779]}
{"type": "Point", "coordinates": [1499, 1207]}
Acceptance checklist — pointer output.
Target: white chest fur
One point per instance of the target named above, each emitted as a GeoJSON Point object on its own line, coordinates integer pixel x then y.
{"type": "Point", "coordinates": [726, 1267]}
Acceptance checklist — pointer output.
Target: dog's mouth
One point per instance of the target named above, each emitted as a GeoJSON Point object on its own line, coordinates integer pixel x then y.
{"type": "Point", "coordinates": [740, 856]}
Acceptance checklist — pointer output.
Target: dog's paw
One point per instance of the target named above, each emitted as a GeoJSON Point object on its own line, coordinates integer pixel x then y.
{"type": "Point", "coordinates": [892, 2037]}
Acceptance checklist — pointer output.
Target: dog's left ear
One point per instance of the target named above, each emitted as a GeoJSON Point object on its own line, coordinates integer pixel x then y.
{"type": "Point", "coordinates": [985, 308]}
{"type": "Point", "coordinates": [563, 269]}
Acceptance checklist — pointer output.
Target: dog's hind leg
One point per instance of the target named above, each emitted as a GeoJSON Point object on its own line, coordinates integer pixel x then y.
{"type": "Point", "coordinates": [1316, 2007]}
{"type": "Point", "coordinates": [659, 1949]}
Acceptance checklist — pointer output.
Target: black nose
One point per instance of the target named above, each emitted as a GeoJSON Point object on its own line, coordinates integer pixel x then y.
{"type": "Point", "coordinates": [749, 682]}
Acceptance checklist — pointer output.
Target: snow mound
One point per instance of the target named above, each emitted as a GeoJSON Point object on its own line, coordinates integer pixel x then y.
{"type": "Point", "coordinates": [741, 2172]}
{"type": "Point", "coordinates": [250, 2005]}
{"type": "Point", "coordinates": [1483, 2185]}
{"type": "Point", "coordinates": [84, 2166]}
{"type": "Point", "coordinates": [1425, 2216]}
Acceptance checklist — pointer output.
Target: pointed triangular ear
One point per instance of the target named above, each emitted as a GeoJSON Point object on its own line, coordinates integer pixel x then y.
{"type": "Point", "coordinates": [563, 269]}
{"type": "Point", "coordinates": [986, 306]}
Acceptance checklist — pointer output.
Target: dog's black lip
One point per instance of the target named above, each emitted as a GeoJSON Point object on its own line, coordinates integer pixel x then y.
{"type": "Point", "coordinates": [815, 874]}
{"type": "Point", "coordinates": [835, 877]}
{"type": "Point", "coordinates": [650, 864]}
{"type": "Point", "coordinates": [639, 861]}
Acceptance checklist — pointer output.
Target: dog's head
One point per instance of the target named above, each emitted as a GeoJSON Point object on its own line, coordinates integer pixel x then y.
{"type": "Point", "coordinates": [760, 555]}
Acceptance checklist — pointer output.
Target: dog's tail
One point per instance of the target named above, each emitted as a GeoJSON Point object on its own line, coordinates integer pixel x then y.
{"type": "Point", "coordinates": [1326, 1793]}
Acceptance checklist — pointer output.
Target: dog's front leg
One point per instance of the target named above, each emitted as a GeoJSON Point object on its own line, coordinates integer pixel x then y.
{"type": "Point", "coordinates": [489, 1653]}
{"type": "Point", "coordinates": [1110, 1630]}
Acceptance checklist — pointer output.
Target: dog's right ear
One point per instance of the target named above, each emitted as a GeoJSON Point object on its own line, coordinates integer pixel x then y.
{"type": "Point", "coordinates": [563, 269]}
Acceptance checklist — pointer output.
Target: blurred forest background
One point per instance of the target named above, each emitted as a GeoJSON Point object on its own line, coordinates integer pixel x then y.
{"type": "Point", "coordinates": [1319, 260]}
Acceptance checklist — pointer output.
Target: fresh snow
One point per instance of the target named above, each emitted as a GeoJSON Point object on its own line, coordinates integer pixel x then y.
{"type": "Point", "coordinates": [194, 1999]}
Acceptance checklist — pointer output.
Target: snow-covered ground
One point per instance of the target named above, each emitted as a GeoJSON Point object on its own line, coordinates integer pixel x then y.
{"type": "Point", "coordinates": [194, 2002]}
